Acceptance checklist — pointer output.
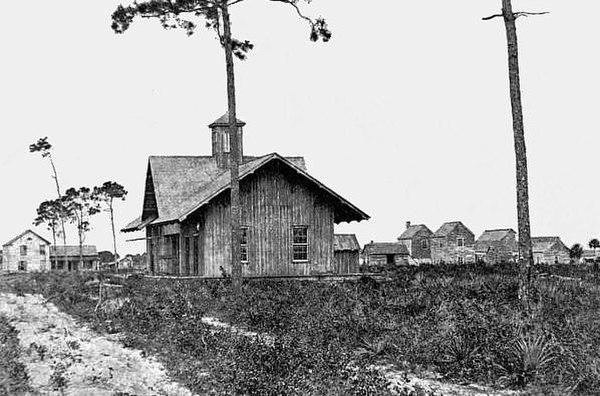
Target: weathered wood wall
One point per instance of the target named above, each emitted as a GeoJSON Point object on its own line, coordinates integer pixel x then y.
{"type": "Point", "coordinates": [273, 200]}
{"type": "Point", "coordinates": [446, 249]}
{"type": "Point", "coordinates": [346, 262]}
{"type": "Point", "coordinates": [35, 261]}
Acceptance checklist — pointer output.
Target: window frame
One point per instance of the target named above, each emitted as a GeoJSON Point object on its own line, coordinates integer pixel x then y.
{"type": "Point", "coordinates": [305, 245]}
{"type": "Point", "coordinates": [42, 250]}
{"type": "Point", "coordinates": [244, 233]}
{"type": "Point", "coordinates": [460, 242]}
{"type": "Point", "coordinates": [424, 244]}
{"type": "Point", "coordinates": [23, 250]}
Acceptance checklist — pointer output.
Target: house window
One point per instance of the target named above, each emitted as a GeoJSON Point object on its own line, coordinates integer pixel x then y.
{"type": "Point", "coordinates": [226, 144]}
{"type": "Point", "coordinates": [22, 265]}
{"type": "Point", "coordinates": [300, 243]}
{"type": "Point", "coordinates": [424, 244]}
{"type": "Point", "coordinates": [23, 250]}
{"type": "Point", "coordinates": [244, 244]}
{"type": "Point", "coordinates": [461, 260]}
{"type": "Point", "coordinates": [42, 250]}
{"type": "Point", "coordinates": [460, 242]}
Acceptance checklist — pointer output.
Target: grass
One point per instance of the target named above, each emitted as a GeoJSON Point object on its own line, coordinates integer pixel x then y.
{"type": "Point", "coordinates": [464, 323]}
{"type": "Point", "coordinates": [13, 377]}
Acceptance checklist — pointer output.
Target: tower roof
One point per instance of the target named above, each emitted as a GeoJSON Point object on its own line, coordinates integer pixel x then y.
{"type": "Point", "coordinates": [224, 121]}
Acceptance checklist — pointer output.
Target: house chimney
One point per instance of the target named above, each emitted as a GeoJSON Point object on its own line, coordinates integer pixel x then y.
{"type": "Point", "coordinates": [221, 143]}
{"type": "Point", "coordinates": [407, 225]}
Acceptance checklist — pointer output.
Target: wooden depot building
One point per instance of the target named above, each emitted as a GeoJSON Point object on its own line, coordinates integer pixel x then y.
{"type": "Point", "coordinates": [287, 216]}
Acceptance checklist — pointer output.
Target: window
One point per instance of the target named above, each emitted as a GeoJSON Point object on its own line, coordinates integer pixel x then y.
{"type": "Point", "coordinates": [244, 244]}
{"type": "Point", "coordinates": [23, 250]}
{"type": "Point", "coordinates": [424, 244]}
{"type": "Point", "coordinates": [226, 144]}
{"type": "Point", "coordinates": [461, 260]}
{"type": "Point", "coordinates": [42, 250]}
{"type": "Point", "coordinates": [22, 265]}
{"type": "Point", "coordinates": [460, 242]}
{"type": "Point", "coordinates": [300, 243]}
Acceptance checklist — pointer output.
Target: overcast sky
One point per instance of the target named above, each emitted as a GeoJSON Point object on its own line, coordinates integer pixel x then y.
{"type": "Point", "coordinates": [405, 112]}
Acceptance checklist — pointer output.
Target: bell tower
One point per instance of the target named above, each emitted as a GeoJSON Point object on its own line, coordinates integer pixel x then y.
{"type": "Point", "coordinates": [221, 142]}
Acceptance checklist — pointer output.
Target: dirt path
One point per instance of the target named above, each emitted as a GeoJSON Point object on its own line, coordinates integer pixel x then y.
{"type": "Point", "coordinates": [64, 357]}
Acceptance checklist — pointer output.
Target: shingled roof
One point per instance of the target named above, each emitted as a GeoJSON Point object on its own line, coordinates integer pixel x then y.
{"type": "Point", "coordinates": [494, 235]}
{"type": "Point", "coordinates": [346, 242]}
{"type": "Point", "coordinates": [73, 251]}
{"type": "Point", "coordinates": [182, 185]}
{"type": "Point", "coordinates": [385, 248]}
{"type": "Point", "coordinates": [546, 243]}
{"type": "Point", "coordinates": [413, 230]}
{"type": "Point", "coordinates": [447, 228]}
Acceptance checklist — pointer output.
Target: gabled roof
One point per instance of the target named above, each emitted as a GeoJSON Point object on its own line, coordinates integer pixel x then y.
{"type": "Point", "coordinates": [543, 244]}
{"type": "Point", "coordinates": [25, 232]}
{"type": "Point", "coordinates": [183, 185]}
{"type": "Point", "coordinates": [448, 227]}
{"type": "Point", "coordinates": [495, 235]}
{"type": "Point", "coordinates": [73, 251]}
{"type": "Point", "coordinates": [413, 230]}
{"type": "Point", "coordinates": [385, 248]}
{"type": "Point", "coordinates": [343, 242]}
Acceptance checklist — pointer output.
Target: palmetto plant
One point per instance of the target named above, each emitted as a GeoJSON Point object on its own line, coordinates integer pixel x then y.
{"type": "Point", "coordinates": [459, 349]}
{"type": "Point", "coordinates": [530, 356]}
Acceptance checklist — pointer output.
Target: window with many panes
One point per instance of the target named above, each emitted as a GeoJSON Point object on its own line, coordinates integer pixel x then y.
{"type": "Point", "coordinates": [43, 250]}
{"type": "Point", "coordinates": [300, 243]}
{"type": "Point", "coordinates": [423, 244]}
{"type": "Point", "coordinates": [460, 242]}
{"type": "Point", "coordinates": [461, 260]}
{"type": "Point", "coordinates": [244, 244]}
{"type": "Point", "coordinates": [22, 265]}
{"type": "Point", "coordinates": [23, 250]}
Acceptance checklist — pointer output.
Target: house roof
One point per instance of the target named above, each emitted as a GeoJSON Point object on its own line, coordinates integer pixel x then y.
{"type": "Point", "coordinates": [182, 185]}
{"type": "Point", "coordinates": [495, 235]}
{"type": "Point", "coordinates": [413, 230]}
{"type": "Point", "coordinates": [447, 228]}
{"type": "Point", "coordinates": [543, 244]}
{"type": "Point", "coordinates": [343, 242]}
{"type": "Point", "coordinates": [385, 248]}
{"type": "Point", "coordinates": [224, 121]}
{"type": "Point", "coordinates": [25, 232]}
{"type": "Point", "coordinates": [73, 251]}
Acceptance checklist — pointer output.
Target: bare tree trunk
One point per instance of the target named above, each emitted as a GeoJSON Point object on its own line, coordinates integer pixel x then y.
{"type": "Point", "coordinates": [62, 217]}
{"type": "Point", "coordinates": [525, 250]}
{"type": "Point", "coordinates": [112, 223]}
{"type": "Point", "coordinates": [54, 242]}
{"type": "Point", "coordinates": [236, 268]}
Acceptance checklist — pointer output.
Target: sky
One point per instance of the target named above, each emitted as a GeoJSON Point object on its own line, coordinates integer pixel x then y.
{"type": "Point", "coordinates": [405, 112]}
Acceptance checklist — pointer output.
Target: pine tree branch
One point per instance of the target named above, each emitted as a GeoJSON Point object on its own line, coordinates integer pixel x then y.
{"type": "Point", "coordinates": [516, 14]}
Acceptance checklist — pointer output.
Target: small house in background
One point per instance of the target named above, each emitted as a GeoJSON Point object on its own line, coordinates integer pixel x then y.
{"type": "Point", "coordinates": [378, 254]}
{"type": "Point", "coordinates": [66, 258]}
{"type": "Point", "coordinates": [497, 246]}
{"type": "Point", "coordinates": [287, 216]}
{"type": "Point", "coordinates": [453, 243]}
{"type": "Point", "coordinates": [549, 250]}
{"type": "Point", "coordinates": [27, 252]}
{"type": "Point", "coordinates": [417, 239]}
{"type": "Point", "coordinates": [346, 252]}
{"type": "Point", "coordinates": [590, 256]}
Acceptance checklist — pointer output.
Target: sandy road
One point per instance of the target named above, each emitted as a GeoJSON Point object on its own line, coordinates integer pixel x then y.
{"type": "Point", "coordinates": [64, 357]}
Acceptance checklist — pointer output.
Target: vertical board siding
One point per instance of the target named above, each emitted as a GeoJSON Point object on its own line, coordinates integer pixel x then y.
{"type": "Point", "coordinates": [272, 201]}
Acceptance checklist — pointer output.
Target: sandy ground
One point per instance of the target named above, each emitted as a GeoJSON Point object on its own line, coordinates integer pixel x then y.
{"type": "Point", "coordinates": [64, 357]}
{"type": "Point", "coordinates": [61, 354]}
